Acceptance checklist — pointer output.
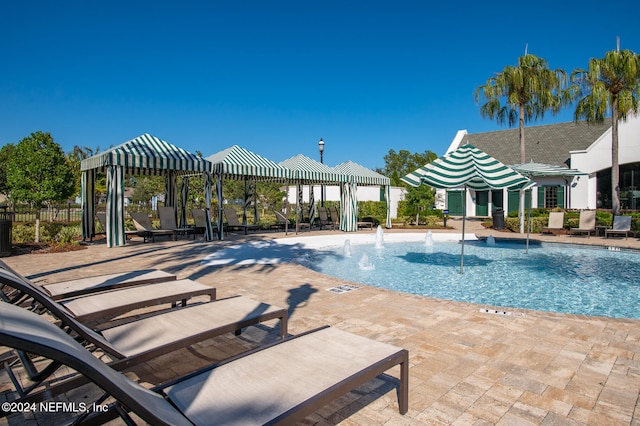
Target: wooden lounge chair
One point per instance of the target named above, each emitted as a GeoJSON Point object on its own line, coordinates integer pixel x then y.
{"type": "Point", "coordinates": [168, 221]}
{"type": "Point", "coordinates": [18, 290]}
{"type": "Point", "coordinates": [80, 287]}
{"type": "Point", "coordinates": [621, 225]}
{"type": "Point", "coordinates": [555, 224]}
{"type": "Point", "coordinates": [233, 221]}
{"type": "Point", "coordinates": [587, 223]}
{"type": "Point", "coordinates": [324, 219]}
{"type": "Point", "coordinates": [279, 383]}
{"type": "Point", "coordinates": [145, 229]}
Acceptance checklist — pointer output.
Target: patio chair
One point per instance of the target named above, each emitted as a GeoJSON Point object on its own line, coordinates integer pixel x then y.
{"type": "Point", "coordinates": [587, 223]}
{"type": "Point", "coordinates": [167, 217]}
{"type": "Point", "coordinates": [555, 224]}
{"type": "Point", "coordinates": [200, 220]}
{"type": "Point", "coordinates": [145, 229]}
{"type": "Point", "coordinates": [19, 290]}
{"type": "Point", "coordinates": [279, 383]}
{"type": "Point", "coordinates": [335, 217]}
{"type": "Point", "coordinates": [233, 221]}
{"type": "Point", "coordinates": [324, 219]}
{"type": "Point", "coordinates": [282, 222]}
{"type": "Point", "coordinates": [83, 286]}
{"type": "Point", "coordinates": [102, 221]}
{"type": "Point", "coordinates": [621, 225]}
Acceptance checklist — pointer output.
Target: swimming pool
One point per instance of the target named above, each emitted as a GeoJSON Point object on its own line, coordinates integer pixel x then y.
{"type": "Point", "coordinates": [551, 277]}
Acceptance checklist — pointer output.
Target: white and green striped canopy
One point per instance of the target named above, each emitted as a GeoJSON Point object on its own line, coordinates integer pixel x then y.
{"type": "Point", "coordinates": [309, 171]}
{"type": "Point", "coordinates": [361, 175]}
{"type": "Point", "coordinates": [147, 154]}
{"type": "Point", "coordinates": [467, 166]}
{"type": "Point", "coordinates": [539, 170]}
{"type": "Point", "coordinates": [237, 163]}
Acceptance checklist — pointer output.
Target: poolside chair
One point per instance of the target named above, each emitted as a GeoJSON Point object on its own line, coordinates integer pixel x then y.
{"type": "Point", "coordinates": [587, 223]}
{"type": "Point", "coordinates": [621, 225]}
{"type": "Point", "coordinates": [233, 221]}
{"type": "Point", "coordinates": [167, 217]}
{"type": "Point", "coordinates": [82, 286]}
{"type": "Point", "coordinates": [282, 222]}
{"type": "Point", "coordinates": [556, 223]}
{"type": "Point", "coordinates": [283, 382]}
{"type": "Point", "coordinates": [18, 290]}
{"type": "Point", "coordinates": [335, 217]}
{"type": "Point", "coordinates": [200, 221]}
{"type": "Point", "coordinates": [145, 229]}
{"type": "Point", "coordinates": [102, 221]}
{"type": "Point", "coordinates": [324, 219]}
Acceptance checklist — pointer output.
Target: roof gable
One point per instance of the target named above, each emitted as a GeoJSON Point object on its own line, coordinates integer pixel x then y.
{"type": "Point", "coordinates": [548, 144]}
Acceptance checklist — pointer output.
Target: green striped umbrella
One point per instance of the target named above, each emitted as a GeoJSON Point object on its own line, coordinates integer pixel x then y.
{"type": "Point", "coordinates": [467, 167]}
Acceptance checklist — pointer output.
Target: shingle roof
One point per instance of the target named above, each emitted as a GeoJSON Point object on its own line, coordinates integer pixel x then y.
{"type": "Point", "coordinates": [549, 144]}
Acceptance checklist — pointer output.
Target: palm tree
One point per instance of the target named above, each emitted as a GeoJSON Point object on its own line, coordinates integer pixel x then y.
{"type": "Point", "coordinates": [611, 83]}
{"type": "Point", "coordinates": [524, 93]}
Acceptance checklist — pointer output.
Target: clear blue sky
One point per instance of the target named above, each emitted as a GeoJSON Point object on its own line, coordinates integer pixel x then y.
{"type": "Point", "coordinates": [275, 76]}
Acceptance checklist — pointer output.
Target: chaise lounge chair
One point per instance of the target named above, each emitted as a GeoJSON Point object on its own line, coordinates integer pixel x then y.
{"type": "Point", "coordinates": [324, 219]}
{"type": "Point", "coordinates": [279, 383]}
{"type": "Point", "coordinates": [233, 221]}
{"type": "Point", "coordinates": [335, 217]}
{"type": "Point", "coordinates": [200, 221]}
{"type": "Point", "coordinates": [621, 225]}
{"type": "Point", "coordinates": [145, 229]}
{"type": "Point", "coordinates": [95, 284]}
{"type": "Point", "coordinates": [556, 223]}
{"type": "Point", "coordinates": [282, 222]}
{"type": "Point", "coordinates": [18, 290]}
{"type": "Point", "coordinates": [168, 221]}
{"type": "Point", "coordinates": [587, 223]}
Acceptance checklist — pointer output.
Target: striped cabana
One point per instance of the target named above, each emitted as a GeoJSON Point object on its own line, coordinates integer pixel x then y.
{"type": "Point", "coordinates": [241, 164]}
{"type": "Point", "coordinates": [360, 175]}
{"type": "Point", "coordinates": [307, 171]}
{"type": "Point", "coordinates": [467, 167]}
{"type": "Point", "coordinates": [144, 155]}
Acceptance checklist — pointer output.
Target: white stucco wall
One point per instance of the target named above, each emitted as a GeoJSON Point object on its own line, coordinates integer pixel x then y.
{"type": "Point", "coordinates": [598, 157]}
{"type": "Point", "coordinates": [365, 193]}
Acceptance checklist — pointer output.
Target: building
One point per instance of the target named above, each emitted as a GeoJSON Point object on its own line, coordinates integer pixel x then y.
{"type": "Point", "coordinates": [578, 146]}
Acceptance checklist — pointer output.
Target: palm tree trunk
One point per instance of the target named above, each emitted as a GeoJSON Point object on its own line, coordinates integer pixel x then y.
{"type": "Point", "coordinates": [523, 159]}
{"type": "Point", "coordinates": [615, 169]}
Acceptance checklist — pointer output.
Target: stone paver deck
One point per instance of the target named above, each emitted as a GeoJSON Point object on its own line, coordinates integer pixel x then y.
{"type": "Point", "coordinates": [467, 367]}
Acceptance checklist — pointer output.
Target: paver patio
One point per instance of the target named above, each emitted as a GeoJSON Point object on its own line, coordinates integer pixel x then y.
{"type": "Point", "coordinates": [466, 366]}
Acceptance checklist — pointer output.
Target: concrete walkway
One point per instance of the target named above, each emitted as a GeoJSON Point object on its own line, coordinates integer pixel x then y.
{"type": "Point", "coordinates": [468, 367]}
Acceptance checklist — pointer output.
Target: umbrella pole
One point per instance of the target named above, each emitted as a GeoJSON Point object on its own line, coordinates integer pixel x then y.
{"type": "Point", "coordinates": [464, 215]}
{"type": "Point", "coordinates": [528, 225]}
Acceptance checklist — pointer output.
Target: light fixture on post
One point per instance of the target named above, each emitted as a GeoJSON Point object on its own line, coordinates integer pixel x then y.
{"type": "Point", "coordinates": [321, 148]}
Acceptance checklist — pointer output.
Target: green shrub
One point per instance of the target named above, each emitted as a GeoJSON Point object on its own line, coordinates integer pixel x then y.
{"type": "Point", "coordinates": [372, 209]}
{"type": "Point", "coordinates": [23, 233]}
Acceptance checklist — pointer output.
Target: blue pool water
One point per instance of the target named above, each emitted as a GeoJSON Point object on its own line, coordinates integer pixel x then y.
{"type": "Point", "coordinates": [551, 277]}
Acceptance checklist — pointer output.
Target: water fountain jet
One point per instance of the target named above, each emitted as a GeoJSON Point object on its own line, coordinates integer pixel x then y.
{"type": "Point", "coordinates": [379, 237]}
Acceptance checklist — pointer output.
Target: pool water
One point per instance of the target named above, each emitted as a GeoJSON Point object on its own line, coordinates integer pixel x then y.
{"type": "Point", "coordinates": [551, 277]}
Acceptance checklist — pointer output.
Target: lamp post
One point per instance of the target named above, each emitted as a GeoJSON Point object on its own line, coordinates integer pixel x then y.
{"type": "Point", "coordinates": [321, 148]}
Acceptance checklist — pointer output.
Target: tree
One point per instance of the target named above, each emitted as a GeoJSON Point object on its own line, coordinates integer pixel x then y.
{"type": "Point", "coordinates": [146, 187]}
{"type": "Point", "coordinates": [524, 93]}
{"type": "Point", "coordinates": [38, 171]}
{"type": "Point", "coordinates": [75, 158]}
{"type": "Point", "coordinates": [611, 84]}
{"type": "Point", "coordinates": [5, 155]}
{"type": "Point", "coordinates": [399, 164]}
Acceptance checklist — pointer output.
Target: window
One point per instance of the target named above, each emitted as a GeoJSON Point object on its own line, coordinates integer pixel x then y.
{"type": "Point", "coordinates": [550, 197]}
